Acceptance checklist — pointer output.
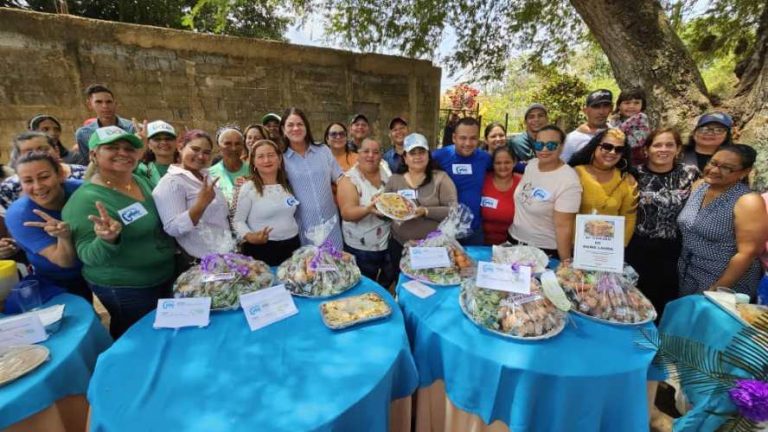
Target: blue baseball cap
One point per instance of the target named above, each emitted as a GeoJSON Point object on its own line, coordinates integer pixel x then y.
{"type": "Point", "coordinates": [715, 117]}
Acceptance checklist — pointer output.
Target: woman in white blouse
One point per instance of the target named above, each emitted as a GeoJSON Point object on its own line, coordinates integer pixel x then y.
{"type": "Point", "coordinates": [366, 234]}
{"type": "Point", "coordinates": [264, 218]}
{"type": "Point", "coordinates": [191, 206]}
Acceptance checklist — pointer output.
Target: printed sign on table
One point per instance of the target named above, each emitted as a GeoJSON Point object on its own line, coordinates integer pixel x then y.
{"type": "Point", "coordinates": [599, 243]}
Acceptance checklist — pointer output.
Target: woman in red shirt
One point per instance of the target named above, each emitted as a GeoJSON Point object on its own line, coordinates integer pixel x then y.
{"type": "Point", "coordinates": [497, 205]}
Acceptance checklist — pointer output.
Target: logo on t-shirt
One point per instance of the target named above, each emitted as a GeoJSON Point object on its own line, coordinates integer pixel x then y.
{"type": "Point", "coordinates": [539, 194]}
{"type": "Point", "coordinates": [132, 213]}
{"type": "Point", "coordinates": [291, 201]}
{"type": "Point", "coordinates": [489, 202]}
{"type": "Point", "coordinates": [462, 169]}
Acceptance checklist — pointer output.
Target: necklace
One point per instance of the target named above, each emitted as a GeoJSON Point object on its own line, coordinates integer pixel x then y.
{"type": "Point", "coordinates": [128, 187]}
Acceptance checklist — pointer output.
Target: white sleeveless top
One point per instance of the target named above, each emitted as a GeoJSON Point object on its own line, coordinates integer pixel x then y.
{"type": "Point", "coordinates": [370, 233]}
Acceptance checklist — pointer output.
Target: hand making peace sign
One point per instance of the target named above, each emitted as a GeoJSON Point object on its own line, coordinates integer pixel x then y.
{"type": "Point", "coordinates": [207, 192]}
{"type": "Point", "coordinates": [104, 226]}
{"type": "Point", "coordinates": [51, 225]}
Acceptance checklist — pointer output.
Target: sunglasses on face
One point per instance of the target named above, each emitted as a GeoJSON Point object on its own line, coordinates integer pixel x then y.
{"type": "Point", "coordinates": [337, 134]}
{"type": "Point", "coordinates": [610, 148]}
{"type": "Point", "coordinates": [724, 169]}
{"type": "Point", "coordinates": [549, 145]}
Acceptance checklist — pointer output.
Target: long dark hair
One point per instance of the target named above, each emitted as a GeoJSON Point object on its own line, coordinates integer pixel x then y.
{"type": "Point", "coordinates": [429, 172]}
{"type": "Point", "coordinates": [586, 154]}
{"type": "Point", "coordinates": [308, 138]}
{"type": "Point", "coordinates": [491, 126]}
{"type": "Point", "coordinates": [325, 138]}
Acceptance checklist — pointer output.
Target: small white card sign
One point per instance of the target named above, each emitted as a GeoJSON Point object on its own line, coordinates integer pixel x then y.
{"type": "Point", "coordinates": [22, 330]}
{"type": "Point", "coordinates": [429, 257]}
{"type": "Point", "coordinates": [599, 243]}
{"type": "Point", "coordinates": [183, 312]}
{"type": "Point", "coordinates": [267, 306]}
{"type": "Point", "coordinates": [501, 277]}
{"type": "Point", "coordinates": [418, 289]}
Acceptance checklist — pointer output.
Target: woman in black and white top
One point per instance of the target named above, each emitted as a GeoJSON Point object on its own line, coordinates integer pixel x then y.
{"type": "Point", "coordinates": [663, 184]}
{"type": "Point", "coordinates": [264, 218]}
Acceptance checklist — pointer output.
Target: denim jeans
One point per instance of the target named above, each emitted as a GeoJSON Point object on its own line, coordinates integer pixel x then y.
{"type": "Point", "coordinates": [376, 265]}
{"type": "Point", "coordinates": [126, 305]}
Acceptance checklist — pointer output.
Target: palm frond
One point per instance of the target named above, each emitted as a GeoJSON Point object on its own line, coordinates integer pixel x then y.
{"type": "Point", "coordinates": [738, 424]}
{"type": "Point", "coordinates": [761, 323]}
{"type": "Point", "coordinates": [696, 365]}
{"type": "Point", "coordinates": [748, 351]}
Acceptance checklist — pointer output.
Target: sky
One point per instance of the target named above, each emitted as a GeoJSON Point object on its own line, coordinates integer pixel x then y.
{"type": "Point", "coordinates": [311, 33]}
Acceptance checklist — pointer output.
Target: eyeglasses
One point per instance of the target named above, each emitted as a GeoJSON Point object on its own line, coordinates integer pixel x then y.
{"type": "Point", "coordinates": [610, 148]}
{"type": "Point", "coordinates": [713, 130]}
{"type": "Point", "coordinates": [341, 134]}
{"type": "Point", "coordinates": [724, 169]}
{"type": "Point", "coordinates": [550, 145]}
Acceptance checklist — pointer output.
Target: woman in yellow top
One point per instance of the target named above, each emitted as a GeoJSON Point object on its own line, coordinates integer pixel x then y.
{"type": "Point", "coordinates": [605, 171]}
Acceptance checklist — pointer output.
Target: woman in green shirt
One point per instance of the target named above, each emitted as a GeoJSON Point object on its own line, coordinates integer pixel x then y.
{"type": "Point", "coordinates": [161, 140]}
{"type": "Point", "coordinates": [127, 257]}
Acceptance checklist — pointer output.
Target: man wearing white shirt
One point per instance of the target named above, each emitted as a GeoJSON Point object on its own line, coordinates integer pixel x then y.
{"type": "Point", "coordinates": [597, 109]}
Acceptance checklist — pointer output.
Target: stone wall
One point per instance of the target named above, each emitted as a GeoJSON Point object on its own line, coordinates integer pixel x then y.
{"type": "Point", "coordinates": [196, 80]}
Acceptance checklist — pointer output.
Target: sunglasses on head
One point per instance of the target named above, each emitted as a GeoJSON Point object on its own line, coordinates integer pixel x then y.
{"type": "Point", "coordinates": [610, 148]}
{"type": "Point", "coordinates": [549, 145]}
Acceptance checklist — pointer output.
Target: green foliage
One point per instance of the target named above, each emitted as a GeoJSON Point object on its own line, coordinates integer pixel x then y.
{"type": "Point", "coordinates": [266, 19]}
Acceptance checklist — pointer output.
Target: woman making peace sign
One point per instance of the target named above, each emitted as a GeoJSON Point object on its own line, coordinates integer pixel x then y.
{"type": "Point", "coordinates": [33, 220]}
{"type": "Point", "coordinates": [191, 206]}
{"type": "Point", "coordinates": [127, 257]}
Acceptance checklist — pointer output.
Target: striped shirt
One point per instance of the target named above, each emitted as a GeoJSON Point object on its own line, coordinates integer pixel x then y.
{"type": "Point", "coordinates": [311, 176]}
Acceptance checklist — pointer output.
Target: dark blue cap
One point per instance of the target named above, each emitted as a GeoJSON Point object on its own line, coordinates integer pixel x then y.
{"type": "Point", "coordinates": [715, 117]}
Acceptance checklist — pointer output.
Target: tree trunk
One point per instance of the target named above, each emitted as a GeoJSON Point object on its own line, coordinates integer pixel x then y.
{"type": "Point", "coordinates": [644, 51]}
{"type": "Point", "coordinates": [750, 103]}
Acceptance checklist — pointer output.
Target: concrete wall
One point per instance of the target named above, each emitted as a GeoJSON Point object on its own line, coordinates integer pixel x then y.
{"type": "Point", "coordinates": [197, 80]}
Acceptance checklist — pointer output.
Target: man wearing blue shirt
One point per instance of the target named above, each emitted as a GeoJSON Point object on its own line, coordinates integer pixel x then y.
{"type": "Point", "coordinates": [467, 166]}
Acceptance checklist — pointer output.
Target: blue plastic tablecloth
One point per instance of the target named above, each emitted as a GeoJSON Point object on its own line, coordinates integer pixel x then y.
{"type": "Point", "coordinates": [293, 375]}
{"type": "Point", "coordinates": [74, 348]}
{"type": "Point", "coordinates": [591, 377]}
{"type": "Point", "coordinates": [696, 318]}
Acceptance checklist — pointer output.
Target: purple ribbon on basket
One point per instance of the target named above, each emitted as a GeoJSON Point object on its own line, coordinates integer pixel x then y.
{"type": "Point", "coordinates": [751, 397]}
{"type": "Point", "coordinates": [209, 263]}
{"type": "Point", "coordinates": [433, 234]}
{"type": "Point", "coordinates": [326, 248]}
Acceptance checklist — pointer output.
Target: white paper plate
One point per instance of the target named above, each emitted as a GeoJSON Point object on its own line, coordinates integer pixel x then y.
{"type": "Point", "coordinates": [17, 361]}
{"type": "Point", "coordinates": [727, 302]}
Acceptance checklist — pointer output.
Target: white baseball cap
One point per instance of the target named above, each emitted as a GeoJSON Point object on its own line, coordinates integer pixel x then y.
{"type": "Point", "coordinates": [160, 126]}
{"type": "Point", "coordinates": [415, 140]}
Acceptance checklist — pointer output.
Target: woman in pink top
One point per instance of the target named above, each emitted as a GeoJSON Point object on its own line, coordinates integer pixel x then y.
{"type": "Point", "coordinates": [497, 205]}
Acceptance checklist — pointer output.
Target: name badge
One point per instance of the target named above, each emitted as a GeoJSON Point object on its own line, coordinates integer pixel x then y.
{"type": "Point", "coordinates": [267, 306]}
{"type": "Point", "coordinates": [489, 202]}
{"type": "Point", "coordinates": [132, 213]}
{"type": "Point", "coordinates": [408, 193]}
{"type": "Point", "coordinates": [539, 194]}
{"type": "Point", "coordinates": [291, 201]}
{"type": "Point", "coordinates": [462, 169]}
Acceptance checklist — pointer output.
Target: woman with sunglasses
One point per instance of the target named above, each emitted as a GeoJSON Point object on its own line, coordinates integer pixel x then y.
{"type": "Point", "coordinates": [605, 171]}
{"type": "Point", "coordinates": [547, 198]}
{"type": "Point", "coordinates": [664, 185]}
{"type": "Point", "coordinates": [497, 204]}
{"type": "Point", "coordinates": [336, 139]}
{"type": "Point", "coordinates": [724, 226]}
{"type": "Point", "coordinates": [713, 130]}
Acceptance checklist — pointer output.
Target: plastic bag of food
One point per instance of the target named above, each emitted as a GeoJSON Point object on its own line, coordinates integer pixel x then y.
{"type": "Point", "coordinates": [610, 297]}
{"type": "Point", "coordinates": [455, 225]}
{"type": "Point", "coordinates": [319, 270]}
{"type": "Point", "coordinates": [223, 277]}
{"type": "Point", "coordinates": [521, 316]}
{"type": "Point", "coordinates": [521, 255]}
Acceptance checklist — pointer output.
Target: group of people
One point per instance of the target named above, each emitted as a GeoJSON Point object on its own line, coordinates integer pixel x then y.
{"type": "Point", "coordinates": [152, 201]}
